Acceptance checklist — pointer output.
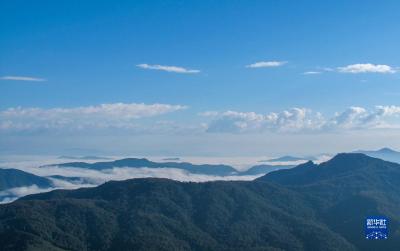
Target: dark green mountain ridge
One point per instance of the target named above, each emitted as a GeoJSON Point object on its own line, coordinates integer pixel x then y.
{"type": "Point", "coordinates": [309, 207]}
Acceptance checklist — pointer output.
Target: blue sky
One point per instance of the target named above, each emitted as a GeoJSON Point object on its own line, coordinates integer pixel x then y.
{"type": "Point", "coordinates": [99, 69]}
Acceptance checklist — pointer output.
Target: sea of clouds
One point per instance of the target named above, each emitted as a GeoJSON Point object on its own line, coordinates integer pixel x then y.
{"type": "Point", "coordinates": [40, 165]}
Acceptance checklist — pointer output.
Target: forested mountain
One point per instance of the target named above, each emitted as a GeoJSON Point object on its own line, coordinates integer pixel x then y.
{"type": "Point", "coordinates": [137, 163]}
{"type": "Point", "coordinates": [309, 207]}
{"type": "Point", "coordinates": [10, 178]}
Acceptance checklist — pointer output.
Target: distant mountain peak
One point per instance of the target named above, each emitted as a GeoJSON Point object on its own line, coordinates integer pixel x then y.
{"type": "Point", "coordinates": [349, 156]}
{"type": "Point", "coordinates": [386, 150]}
{"type": "Point", "coordinates": [285, 158]}
{"type": "Point", "coordinates": [308, 173]}
{"type": "Point", "coordinates": [384, 153]}
{"type": "Point", "coordinates": [172, 159]}
{"type": "Point", "coordinates": [355, 159]}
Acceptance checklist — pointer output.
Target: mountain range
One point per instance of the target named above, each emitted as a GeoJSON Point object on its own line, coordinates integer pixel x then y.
{"type": "Point", "coordinates": [138, 163]}
{"type": "Point", "coordinates": [288, 158]}
{"type": "Point", "coordinates": [308, 207]}
{"type": "Point", "coordinates": [207, 169]}
{"type": "Point", "coordinates": [22, 181]}
{"type": "Point", "coordinates": [384, 153]}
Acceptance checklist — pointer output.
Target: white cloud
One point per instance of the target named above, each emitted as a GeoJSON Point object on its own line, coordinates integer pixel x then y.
{"type": "Point", "coordinates": [115, 110]}
{"type": "Point", "coordinates": [167, 68]}
{"type": "Point", "coordinates": [90, 178]}
{"type": "Point", "coordinates": [352, 117]}
{"type": "Point", "coordinates": [388, 110]}
{"type": "Point", "coordinates": [366, 68]}
{"type": "Point", "coordinates": [22, 78]}
{"type": "Point", "coordinates": [96, 177]}
{"type": "Point", "coordinates": [263, 64]}
{"type": "Point", "coordinates": [303, 120]}
{"type": "Point", "coordinates": [311, 72]}
{"type": "Point", "coordinates": [116, 115]}
{"type": "Point", "coordinates": [360, 118]}
{"type": "Point", "coordinates": [294, 119]}
{"type": "Point", "coordinates": [12, 194]}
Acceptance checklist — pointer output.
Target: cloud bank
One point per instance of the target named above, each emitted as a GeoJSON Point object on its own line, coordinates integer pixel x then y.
{"type": "Point", "coordinates": [116, 115]}
{"type": "Point", "coordinates": [302, 120]}
{"type": "Point", "coordinates": [90, 178]}
{"type": "Point", "coordinates": [131, 117]}
{"type": "Point", "coordinates": [167, 68]}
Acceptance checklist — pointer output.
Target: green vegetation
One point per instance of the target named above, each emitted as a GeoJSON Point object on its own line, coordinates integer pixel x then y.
{"type": "Point", "coordinates": [309, 207]}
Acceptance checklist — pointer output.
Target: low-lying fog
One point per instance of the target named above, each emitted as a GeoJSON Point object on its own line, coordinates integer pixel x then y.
{"type": "Point", "coordinates": [88, 178]}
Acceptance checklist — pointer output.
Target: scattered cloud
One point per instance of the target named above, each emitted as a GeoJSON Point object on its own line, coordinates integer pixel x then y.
{"type": "Point", "coordinates": [22, 78]}
{"type": "Point", "coordinates": [355, 69]}
{"type": "Point", "coordinates": [116, 115]}
{"type": "Point", "coordinates": [167, 68]}
{"type": "Point", "coordinates": [311, 72]}
{"type": "Point", "coordinates": [303, 120]}
{"type": "Point", "coordinates": [366, 68]}
{"type": "Point", "coordinates": [264, 64]}
{"type": "Point", "coordinates": [294, 119]}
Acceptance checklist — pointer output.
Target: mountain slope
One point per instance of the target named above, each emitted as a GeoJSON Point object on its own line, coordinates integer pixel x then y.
{"type": "Point", "coordinates": [11, 178]}
{"type": "Point", "coordinates": [159, 214]}
{"type": "Point", "coordinates": [347, 189]}
{"type": "Point", "coordinates": [341, 164]}
{"type": "Point", "coordinates": [309, 207]}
